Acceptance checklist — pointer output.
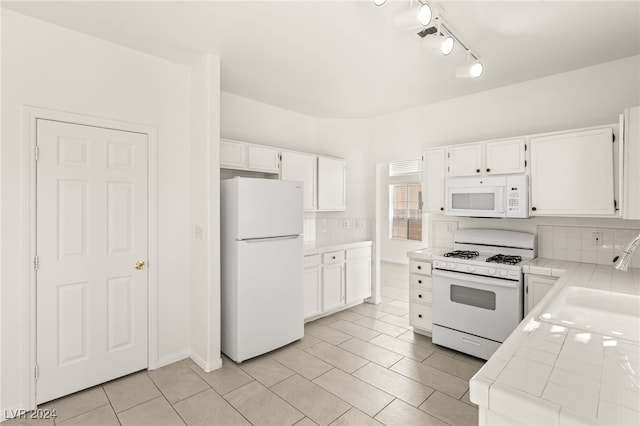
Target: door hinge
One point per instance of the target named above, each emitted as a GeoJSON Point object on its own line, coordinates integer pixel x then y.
{"type": "Point", "coordinates": [526, 289]}
{"type": "Point", "coordinates": [36, 153]}
{"type": "Point", "coordinates": [36, 262]}
{"type": "Point", "coordinates": [613, 137]}
{"type": "Point", "coordinates": [525, 147]}
{"type": "Point", "coordinates": [37, 372]}
{"type": "Point", "coordinates": [448, 168]}
{"type": "Point", "coordinates": [525, 163]}
{"type": "Point", "coordinates": [615, 205]}
{"type": "Point", "coordinates": [448, 155]}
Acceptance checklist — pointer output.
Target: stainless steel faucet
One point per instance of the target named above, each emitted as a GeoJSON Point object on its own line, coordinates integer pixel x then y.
{"type": "Point", "coordinates": [623, 263]}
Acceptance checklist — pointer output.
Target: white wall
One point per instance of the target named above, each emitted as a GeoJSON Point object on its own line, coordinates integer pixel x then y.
{"type": "Point", "coordinates": [581, 98]}
{"type": "Point", "coordinates": [47, 66]}
{"type": "Point", "coordinates": [205, 213]}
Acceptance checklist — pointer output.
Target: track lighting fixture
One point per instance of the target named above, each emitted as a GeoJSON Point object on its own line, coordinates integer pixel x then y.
{"type": "Point", "coordinates": [472, 69]}
{"type": "Point", "coordinates": [438, 37]}
{"type": "Point", "coordinates": [415, 17]}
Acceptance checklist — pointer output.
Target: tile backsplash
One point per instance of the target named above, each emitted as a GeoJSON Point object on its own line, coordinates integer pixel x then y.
{"type": "Point", "coordinates": [337, 229]}
{"type": "Point", "coordinates": [585, 244]}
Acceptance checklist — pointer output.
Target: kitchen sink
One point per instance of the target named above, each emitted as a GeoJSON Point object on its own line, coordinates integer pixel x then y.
{"type": "Point", "coordinates": [603, 312]}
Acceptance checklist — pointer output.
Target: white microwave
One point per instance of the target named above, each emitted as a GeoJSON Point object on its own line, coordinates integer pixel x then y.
{"type": "Point", "coordinates": [491, 196]}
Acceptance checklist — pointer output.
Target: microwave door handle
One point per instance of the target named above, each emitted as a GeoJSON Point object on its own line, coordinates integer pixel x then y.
{"type": "Point", "coordinates": [500, 199]}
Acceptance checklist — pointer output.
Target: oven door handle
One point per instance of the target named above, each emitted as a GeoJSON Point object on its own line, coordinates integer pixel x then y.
{"type": "Point", "coordinates": [495, 282]}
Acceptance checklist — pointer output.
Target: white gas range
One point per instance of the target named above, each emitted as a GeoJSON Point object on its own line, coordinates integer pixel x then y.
{"type": "Point", "coordinates": [478, 289]}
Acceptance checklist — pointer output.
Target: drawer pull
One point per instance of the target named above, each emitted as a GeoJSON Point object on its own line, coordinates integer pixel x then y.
{"type": "Point", "coordinates": [419, 281]}
{"type": "Point", "coordinates": [419, 315]}
{"type": "Point", "coordinates": [420, 296]}
{"type": "Point", "coordinates": [473, 342]}
{"type": "Point", "coordinates": [419, 267]}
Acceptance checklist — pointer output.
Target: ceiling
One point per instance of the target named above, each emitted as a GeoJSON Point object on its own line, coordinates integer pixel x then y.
{"type": "Point", "coordinates": [336, 58]}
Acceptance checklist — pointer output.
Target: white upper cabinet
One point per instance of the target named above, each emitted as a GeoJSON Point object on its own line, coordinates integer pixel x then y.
{"type": "Point", "coordinates": [630, 170]}
{"type": "Point", "coordinates": [243, 156]}
{"type": "Point", "coordinates": [433, 171]}
{"type": "Point", "coordinates": [303, 168]}
{"type": "Point", "coordinates": [572, 174]}
{"type": "Point", "coordinates": [233, 154]}
{"type": "Point", "coordinates": [263, 159]}
{"type": "Point", "coordinates": [487, 158]}
{"type": "Point", "coordinates": [465, 160]}
{"type": "Point", "coordinates": [331, 184]}
{"type": "Point", "coordinates": [505, 157]}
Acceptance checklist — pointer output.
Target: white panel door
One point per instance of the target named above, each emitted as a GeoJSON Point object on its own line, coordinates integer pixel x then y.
{"type": "Point", "coordinates": [358, 280]}
{"type": "Point", "coordinates": [233, 154]}
{"type": "Point", "coordinates": [91, 231]}
{"type": "Point", "coordinates": [303, 168]}
{"type": "Point", "coordinates": [331, 184]}
{"type": "Point", "coordinates": [505, 157]}
{"type": "Point", "coordinates": [465, 160]}
{"type": "Point", "coordinates": [332, 286]}
{"type": "Point", "coordinates": [262, 158]}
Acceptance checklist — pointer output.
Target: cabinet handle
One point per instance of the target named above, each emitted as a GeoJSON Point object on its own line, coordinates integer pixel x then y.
{"type": "Point", "coordinates": [333, 257]}
{"type": "Point", "coordinates": [488, 170]}
{"type": "Point", "coordinates": [419, 315]}
{"type": "Point", "coordinates": [477, 170]}
{"type": "Point", "coordinates": [441, 209]}
{"type": "Point", "coordinates": [533, 208]}
{"type": "Point", "coordinates": [419, 296]}
{"type": "Point", "coordinates": [419, 267]}
{"type": "Point", "coordinates": [419, 281]}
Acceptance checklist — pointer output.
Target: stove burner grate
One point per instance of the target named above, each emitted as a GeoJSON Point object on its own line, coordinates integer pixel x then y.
{"type": "Point", "coordinates": [462, 254]}
{"type": "Point", "coordinates": [505, 258]}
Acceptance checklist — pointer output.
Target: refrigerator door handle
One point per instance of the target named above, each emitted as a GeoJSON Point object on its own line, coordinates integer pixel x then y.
{"type": "Point", "coordinates": [268, 239]}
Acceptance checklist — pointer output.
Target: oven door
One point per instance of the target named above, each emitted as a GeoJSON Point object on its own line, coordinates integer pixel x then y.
{"type": "Point", "coordinates": [482, 306]}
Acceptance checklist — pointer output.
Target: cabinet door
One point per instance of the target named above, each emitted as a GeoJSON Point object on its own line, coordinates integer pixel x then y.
{"type": "Point", "coordinates": [358, 280]}
{"type": "Point", "coordinates": [433, 180]}
{"type": "Point", "coordinates": [312, 294]}
{"type": "Point", "coordinates": [302, 168]}
{"type": "Point", "coordinates": [331, 184]}
{"type": "Point", "coordinates": [537, 287]}
{"type": "Point", "coordinates": [233, 154]}
{"type": "Point", "coordinates": [505, 157]}
{"type": "Point", "coordinates": [465, 160]}
{"type": "Point", "coordinates": [572, 174]}
{"type": "Point", "coordinates": [631, 165]}
{"type": "Point", "coordinates": [263, 159]}
{"type": "Point", "coordinates": [332, 286]}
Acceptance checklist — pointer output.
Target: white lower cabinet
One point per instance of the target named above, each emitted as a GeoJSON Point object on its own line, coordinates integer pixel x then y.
{"type": "Point", "coordinates": [332, 286]}
{"type": "Point", "coordinates": [536, 287]}
{"type": "Point", "coordinates": [420, 296]}
{"type": "Point", "coordinates": [336, 280]}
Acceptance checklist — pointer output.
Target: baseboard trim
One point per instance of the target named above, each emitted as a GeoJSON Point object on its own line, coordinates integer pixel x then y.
{"type": "Point", "coordinates": [170, 359]}
{"type": "Point", "coordinates": [207, 367]}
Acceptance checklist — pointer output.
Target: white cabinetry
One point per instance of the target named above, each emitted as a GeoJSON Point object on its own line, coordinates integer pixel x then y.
{"type": "Point", "coordinates": [302, 167]}
{"type": "Point", "coordinates": [331, 184]}
{"type": "Point", "coordinates": [358, 274]}
{"type": "Point", "coordinates": [536, 286]}
{"type": "Point", "coordinates": [243, 156]}
{"type": "Point", "coordinates": [572, 174]}
{"type": "Point", "coordinates": [420, 296]}
{"type": "Point", "coordinates": [433, 171]}
{"type": "Point", "coordinates": [312, 286]}
{"type": "Point", "coordinates": [332, 280]}
{"type": "Point", "coordinates": [630, 202]}
{"type": "Point", "coordinates": [488, 158]}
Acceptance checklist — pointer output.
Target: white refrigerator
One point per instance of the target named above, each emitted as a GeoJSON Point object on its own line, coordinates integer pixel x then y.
{"type": "Point", "coordinates": [261, 260]}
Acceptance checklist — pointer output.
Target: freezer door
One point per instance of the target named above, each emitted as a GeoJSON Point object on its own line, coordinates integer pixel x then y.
{"type": "Point", "coordinates": [268, 208]}
{"type": "Point", "coordinates": [269, 295]}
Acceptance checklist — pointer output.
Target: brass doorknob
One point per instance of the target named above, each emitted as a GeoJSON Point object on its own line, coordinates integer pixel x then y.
{"type": "Point", "coordinates": [140, 264]}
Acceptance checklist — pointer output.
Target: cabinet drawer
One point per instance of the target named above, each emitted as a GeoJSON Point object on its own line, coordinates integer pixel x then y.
{"type": "Point", "coordinates": [358, 252]}
{"type": "Point", "coordinates": [420, 316]}
{"type": "Point", "coordinates": [420, 267]}
{"type": "Point", "coordinates": [332, 257]}
{"type": "Point", "coordinates": [420, 295]}
{"type": "Point", "coordinates": [421, 281]}
{"type": "Point", "coordinates": [312, 260]}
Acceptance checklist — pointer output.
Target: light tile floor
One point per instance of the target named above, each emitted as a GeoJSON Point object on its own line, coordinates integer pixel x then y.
{"type": "Point", "coordinates": [361, 366]}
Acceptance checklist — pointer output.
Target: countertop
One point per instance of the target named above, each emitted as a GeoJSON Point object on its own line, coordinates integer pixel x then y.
{"type": "Point", "coordinates": [317, 247]}
{"type": "Point", "coordinates": [551, 374]}
{"type": "Point", "coordinates": [427, 253]}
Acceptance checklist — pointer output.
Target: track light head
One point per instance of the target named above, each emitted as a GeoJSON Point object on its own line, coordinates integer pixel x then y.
{"type": "Point", "coordinates": [447, 45]}
{"type": "Point", "coordinates": [415, 17]}
{"type": "Point", "coordinates": [379, 2]}
{"type": "Point", "coordinates": [473, 69]}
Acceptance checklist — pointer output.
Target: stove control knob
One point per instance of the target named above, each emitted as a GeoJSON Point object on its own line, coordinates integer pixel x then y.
{"type": "Point", "coordinates": [503, 273]}
{"type": "Point", "coordinates": [492, 271]}
{"type": "Point", "coordinates": [471, 268]}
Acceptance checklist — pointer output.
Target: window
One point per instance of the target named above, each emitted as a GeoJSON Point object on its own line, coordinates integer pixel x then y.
{"type": "Point", "coordinates": [405, 211]}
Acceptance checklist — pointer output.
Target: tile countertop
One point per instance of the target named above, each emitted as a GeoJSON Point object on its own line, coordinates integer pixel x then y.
{"type": "Point", "coordinates": [316, 247]}
{"type": "Point", "coordinates": [551, 374]}
{"type": "Point", "coordinates": [427, 253]}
